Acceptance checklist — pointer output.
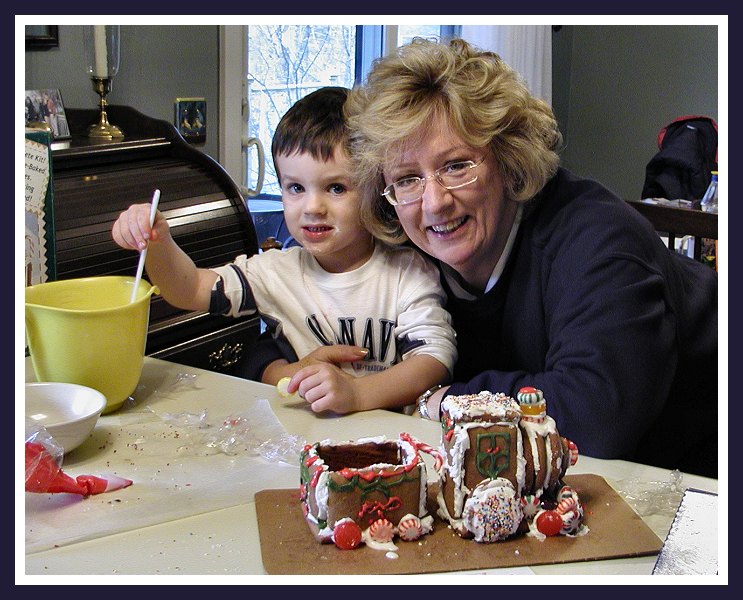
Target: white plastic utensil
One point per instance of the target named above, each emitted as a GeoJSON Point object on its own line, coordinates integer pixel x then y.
{"type": "Point", "coordinates": [143, 253]}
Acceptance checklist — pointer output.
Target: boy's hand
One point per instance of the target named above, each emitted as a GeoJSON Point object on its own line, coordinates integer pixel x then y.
{"type": "Point", "coordinates": [326, 387]}
{"type": "Point", "coordinates": [132, 229]}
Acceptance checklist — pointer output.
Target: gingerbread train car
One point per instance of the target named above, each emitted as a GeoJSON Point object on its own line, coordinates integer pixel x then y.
{"type": "Point", "coordinates": [502, 469]}
{"type": "Point", "coordinates": [370, 491]}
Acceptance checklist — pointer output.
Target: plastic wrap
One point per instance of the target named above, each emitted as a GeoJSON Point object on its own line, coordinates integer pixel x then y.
{"type": "Point", "coordinates": [653, 497]}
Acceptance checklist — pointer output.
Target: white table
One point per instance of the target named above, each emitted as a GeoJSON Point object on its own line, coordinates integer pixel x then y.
{"type": "Point", "coordinates": [224, 540]}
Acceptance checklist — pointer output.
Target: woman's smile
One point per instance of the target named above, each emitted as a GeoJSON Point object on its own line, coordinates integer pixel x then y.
{"type": "Point", "coordinates": [448, 227]}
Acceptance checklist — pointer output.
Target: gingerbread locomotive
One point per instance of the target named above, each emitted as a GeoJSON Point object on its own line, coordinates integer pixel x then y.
{"type": "Point", "coordinates": [502, 469]}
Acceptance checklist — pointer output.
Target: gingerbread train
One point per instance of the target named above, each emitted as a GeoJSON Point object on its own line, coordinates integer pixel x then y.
{"type": "Point", "coordinates": [502, 468]}
{"type": "Point", "coordinates": [500, 465]}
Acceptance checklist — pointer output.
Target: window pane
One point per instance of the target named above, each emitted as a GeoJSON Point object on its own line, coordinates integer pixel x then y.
{"type": "Point", "coordinates": [405, 33]}
{"type": "Point", "coordinates": [285, 63]}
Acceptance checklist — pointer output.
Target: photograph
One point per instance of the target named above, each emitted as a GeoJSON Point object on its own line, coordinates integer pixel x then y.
{"type": "Point", "coordinates": [190, 119]}
{"type": "Point", "coordinates": [45, 110]}
{"type": "Point", "coordinates": [424, 295]}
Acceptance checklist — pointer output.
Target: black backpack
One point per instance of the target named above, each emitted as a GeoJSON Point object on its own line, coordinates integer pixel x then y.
{"type": "Point", "coordinates": [682, 169]}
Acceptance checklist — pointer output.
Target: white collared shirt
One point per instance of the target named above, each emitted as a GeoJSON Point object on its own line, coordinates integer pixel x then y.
{"type": "Point", "coordinates": [453, 279]}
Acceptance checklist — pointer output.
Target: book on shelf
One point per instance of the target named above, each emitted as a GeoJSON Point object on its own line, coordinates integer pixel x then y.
{"type": "Point", "coordinates": [39, 216]}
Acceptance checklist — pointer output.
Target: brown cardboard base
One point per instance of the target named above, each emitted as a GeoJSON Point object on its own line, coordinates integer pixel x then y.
{"type": "Point", "coordinates": [289, 548]}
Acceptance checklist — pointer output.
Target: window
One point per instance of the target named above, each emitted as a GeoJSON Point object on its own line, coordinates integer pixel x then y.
{"type": "Point", "coordinates": [286, 62]}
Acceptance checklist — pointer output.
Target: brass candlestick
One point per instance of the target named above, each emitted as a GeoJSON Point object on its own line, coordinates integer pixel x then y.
{"type": "Point", "coordinates": [103, 129]}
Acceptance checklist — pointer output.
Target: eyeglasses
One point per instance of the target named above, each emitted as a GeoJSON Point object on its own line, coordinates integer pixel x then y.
{"type": "Point", "coordinates": [451, 177]}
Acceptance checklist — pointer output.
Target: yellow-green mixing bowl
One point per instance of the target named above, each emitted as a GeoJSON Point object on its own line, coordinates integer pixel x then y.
{"type": "Point", "coordinates": [86, 331]}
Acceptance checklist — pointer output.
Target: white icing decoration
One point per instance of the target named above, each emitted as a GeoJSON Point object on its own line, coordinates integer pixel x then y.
{"type": "Point", "coordinates": [379, 439]}
{"type": "Point", "coordinates": [548, 452]}
{"type": "Point", "coordinates": [493, 513]}
{"type": "Point", "coordinates": [520, 462]}
{"type": "Point", "coordinates": [427, 524]}
{"type": "Point", "coordinates": [321, 494]}
{"type": "Point", "coordinates": [455, 467]}
{"type": "Point", "coordinates": [477, 405]}
{"type": "Point", "coordinates": [423, 497]}
{"type": "Point", "coordinates": [375, 545]}
{"type": "Point", "coordinates": [408, 451]}
{"type": "Point", "coordinates": [533, 531]}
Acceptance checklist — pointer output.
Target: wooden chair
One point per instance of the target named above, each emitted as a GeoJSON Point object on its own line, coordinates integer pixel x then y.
{"type": "Point", "coordinates": [678, 222]}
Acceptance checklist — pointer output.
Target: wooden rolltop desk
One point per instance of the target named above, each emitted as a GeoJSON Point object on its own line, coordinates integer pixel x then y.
{"type": "Point", "coordinates": [94, 181]}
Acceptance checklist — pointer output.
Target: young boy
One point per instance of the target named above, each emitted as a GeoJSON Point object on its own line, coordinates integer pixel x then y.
{"type": "Point", "coordinates": [340, 287]}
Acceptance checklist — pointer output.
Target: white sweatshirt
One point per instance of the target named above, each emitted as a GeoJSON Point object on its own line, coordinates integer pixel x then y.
{"type": "Point", "coordinates": [391, 305]}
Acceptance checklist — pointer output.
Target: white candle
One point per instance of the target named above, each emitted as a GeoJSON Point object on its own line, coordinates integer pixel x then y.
{"type": "Point", "coordinates": [101, 55]}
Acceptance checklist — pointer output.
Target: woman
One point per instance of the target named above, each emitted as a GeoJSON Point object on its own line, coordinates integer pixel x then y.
{"type": "Point", "coordinates": [552, 281]}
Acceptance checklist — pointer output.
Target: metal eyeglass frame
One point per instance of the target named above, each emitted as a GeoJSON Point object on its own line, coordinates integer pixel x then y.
{"type": "Point", "coordinates": [389, 191]}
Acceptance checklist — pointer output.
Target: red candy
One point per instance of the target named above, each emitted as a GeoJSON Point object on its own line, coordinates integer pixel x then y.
{"type": "Point", "coordinates": [347, 535]}
{"type": "Point", "coordinates": [549, 523]}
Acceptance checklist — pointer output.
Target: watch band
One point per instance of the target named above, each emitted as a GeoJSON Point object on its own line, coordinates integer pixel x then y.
{"type": "Point", "coordinates": [423, 401]}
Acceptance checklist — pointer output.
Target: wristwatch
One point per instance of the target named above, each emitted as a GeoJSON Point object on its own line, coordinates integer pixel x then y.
{"type": "Point", "coordinates": [423, 401]}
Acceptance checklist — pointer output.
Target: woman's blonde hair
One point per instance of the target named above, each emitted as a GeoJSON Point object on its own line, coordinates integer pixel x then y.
{"type": "Point", "coordinates": [484, 100]}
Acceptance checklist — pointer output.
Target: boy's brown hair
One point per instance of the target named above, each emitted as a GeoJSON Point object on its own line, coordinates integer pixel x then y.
{"type": "Point", "coordinates": [314, 124]}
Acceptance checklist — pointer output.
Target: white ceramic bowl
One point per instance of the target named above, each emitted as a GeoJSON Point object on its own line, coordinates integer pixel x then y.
{"type": "Point", "coordinates": [67, 410]}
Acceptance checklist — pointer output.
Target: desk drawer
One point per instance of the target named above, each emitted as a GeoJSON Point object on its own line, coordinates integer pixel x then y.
{"type": "Point", "coordinates": [222, 350]}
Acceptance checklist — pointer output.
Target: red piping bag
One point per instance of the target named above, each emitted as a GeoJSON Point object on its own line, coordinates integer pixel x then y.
{"type": "Point", "coordinates": [45, 476]}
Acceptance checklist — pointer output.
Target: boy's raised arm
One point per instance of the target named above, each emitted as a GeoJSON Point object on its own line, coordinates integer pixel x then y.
{"type": "Point", "coordinates": [180, 281]}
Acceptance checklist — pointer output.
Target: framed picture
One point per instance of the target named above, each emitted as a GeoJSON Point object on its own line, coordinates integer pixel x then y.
{"type": "Point", "coordinates": [45, 110]}
{"type": "Point", "coordinates": [42, 37]}
{"type": "Point", "coordinates": [190, 119]}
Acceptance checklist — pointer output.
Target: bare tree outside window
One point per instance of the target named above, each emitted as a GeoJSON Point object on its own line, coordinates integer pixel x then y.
{"type": "Point", "coordinates": [285, 63]}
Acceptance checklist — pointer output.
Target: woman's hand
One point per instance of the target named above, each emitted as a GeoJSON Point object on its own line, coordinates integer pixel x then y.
{"type": "Point", "coordinates": [324, 355]}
